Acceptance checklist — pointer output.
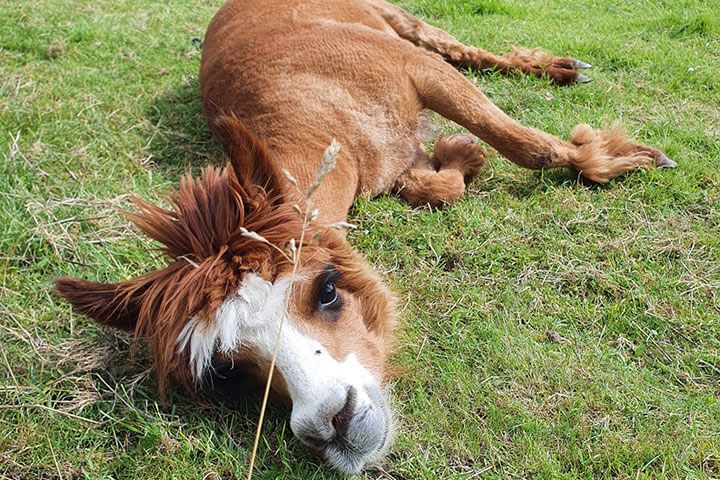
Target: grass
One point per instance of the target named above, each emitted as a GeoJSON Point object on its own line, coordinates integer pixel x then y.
{"type": "Point", "coordinates": [551, 329]}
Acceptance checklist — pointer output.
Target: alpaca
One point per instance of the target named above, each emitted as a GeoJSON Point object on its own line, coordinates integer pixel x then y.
{"type": "Point", "coordinates": [279, 80]}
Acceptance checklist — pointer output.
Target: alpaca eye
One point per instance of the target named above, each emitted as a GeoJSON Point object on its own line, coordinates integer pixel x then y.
{"type": "Point", "coordinates": [328, 294]}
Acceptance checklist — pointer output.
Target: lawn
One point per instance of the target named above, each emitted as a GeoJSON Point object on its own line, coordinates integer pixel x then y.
{"type": "Point", "coordinates": [550, 328]}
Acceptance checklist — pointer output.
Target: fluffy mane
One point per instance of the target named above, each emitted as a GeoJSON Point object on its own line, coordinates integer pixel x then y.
{"type": "Point", "coordinates": [208, 255]}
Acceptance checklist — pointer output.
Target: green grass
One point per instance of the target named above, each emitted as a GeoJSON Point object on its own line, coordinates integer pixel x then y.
{"type": "Point", "coordinates": [551, 329]}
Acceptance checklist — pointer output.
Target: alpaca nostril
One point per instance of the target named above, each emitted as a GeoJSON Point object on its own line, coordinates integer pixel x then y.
{"type": "Point", "coordinates": [314, 441]}
{"type": "Point", "coordinates": [341, 420]}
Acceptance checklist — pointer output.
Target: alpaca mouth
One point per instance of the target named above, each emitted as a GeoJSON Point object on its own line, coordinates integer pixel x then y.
{"type": "Point", "coordinates": [359, 436]}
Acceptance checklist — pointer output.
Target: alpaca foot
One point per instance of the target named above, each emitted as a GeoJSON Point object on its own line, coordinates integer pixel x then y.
{"type": "Point", "coordinates": [539, 62]}
{"type": "Point", "coordinates": [602, 156]}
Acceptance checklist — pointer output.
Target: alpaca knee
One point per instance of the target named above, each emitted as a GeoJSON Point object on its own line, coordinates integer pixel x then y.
{"type": "Point", "coordinates": [459, 152]}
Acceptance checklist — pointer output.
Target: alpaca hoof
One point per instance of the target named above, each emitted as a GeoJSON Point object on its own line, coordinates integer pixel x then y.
{"type": "Point", "coordinates": [579, 64]}
{"type": "Point", "coordinates": [665, 162]}
{"type": "Point", "coordinates": [582, 79]}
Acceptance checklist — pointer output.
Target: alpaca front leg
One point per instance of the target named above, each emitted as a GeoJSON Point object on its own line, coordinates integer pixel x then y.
{"type": "Point", "coordinates": [599, 156]}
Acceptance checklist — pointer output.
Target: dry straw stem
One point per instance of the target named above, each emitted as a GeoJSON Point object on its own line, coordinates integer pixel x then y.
{"type": "Point", "coordinates": [257, 237]}
{"type": "Point", "coordinates": [293, 181]}
{"type": "Point", "coordinates": [343, 226]}
{"type": "Point", "coordinates": [327, 163]}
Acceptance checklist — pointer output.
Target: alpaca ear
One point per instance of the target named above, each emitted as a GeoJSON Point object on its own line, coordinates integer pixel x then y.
{"type": "Point", "coordinates": [106, 303]}
{"type": "Point", "coordinates": [249, 158]}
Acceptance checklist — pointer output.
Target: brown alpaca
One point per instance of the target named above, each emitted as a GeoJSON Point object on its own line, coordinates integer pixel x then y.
{"type": "Point", "coordinates": [279, 81]}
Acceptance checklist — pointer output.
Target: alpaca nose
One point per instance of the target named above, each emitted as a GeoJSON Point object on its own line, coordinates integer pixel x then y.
{"type": "Point", "coordinates": [334, 424]}
{"type": "Point", "coordinates": [341, 419]}
{"type": "Point", "coordinates": [349, 426]}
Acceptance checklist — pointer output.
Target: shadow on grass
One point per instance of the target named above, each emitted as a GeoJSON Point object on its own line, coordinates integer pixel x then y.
{"type": "Point", "coordinates": [530, 183]}
{"type": "Point", "coordinates": [140, 416]}
{"type": "Point", "coordinates": [179, 135]}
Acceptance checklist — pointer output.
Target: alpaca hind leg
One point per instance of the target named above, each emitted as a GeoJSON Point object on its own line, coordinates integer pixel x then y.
{"type": "Point", "coordinates": [536, 61]}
